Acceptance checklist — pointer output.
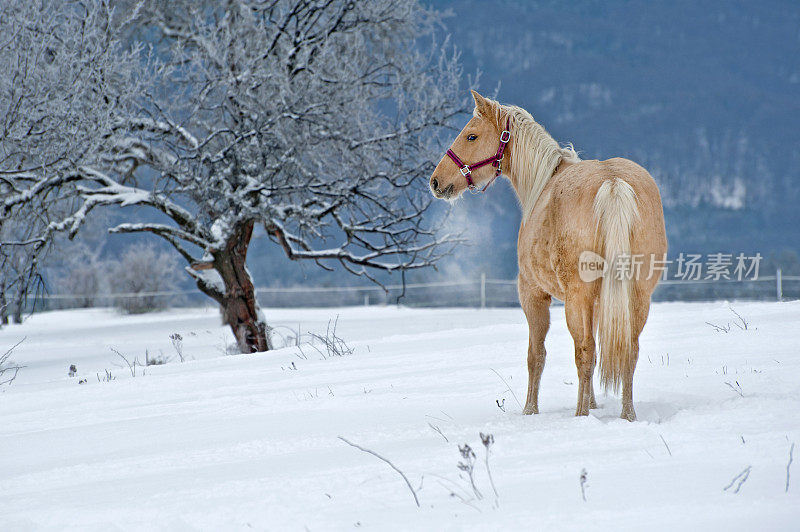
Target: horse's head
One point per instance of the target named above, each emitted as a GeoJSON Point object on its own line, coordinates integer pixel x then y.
{"type": "Point", "coordinates": [476, 142]}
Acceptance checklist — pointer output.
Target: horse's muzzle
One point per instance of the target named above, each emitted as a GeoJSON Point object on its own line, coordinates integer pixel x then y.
{"type": "Point", "coordinates": [444, 193]}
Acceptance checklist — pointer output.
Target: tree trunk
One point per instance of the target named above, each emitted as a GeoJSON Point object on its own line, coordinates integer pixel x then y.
{"type": "Point", "coordinates": [17, 313]}
{"type": "Point", "coordinates": [18, 303]}
{"type": "Point", "coordinates": [239, 306]}
{"type": "Point", "coordinates": [3, 306]}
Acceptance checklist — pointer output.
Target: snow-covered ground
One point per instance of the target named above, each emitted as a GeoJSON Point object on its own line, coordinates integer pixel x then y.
{"type": "Point", "coordinates": [224, 442]}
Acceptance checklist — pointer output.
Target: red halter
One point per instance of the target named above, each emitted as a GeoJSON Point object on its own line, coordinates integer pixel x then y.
{"type": "Point", "coordinates": [494, 160]}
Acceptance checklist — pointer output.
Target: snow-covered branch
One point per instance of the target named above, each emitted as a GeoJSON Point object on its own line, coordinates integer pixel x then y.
{"type": "Point", "coordinates": [161, 230]}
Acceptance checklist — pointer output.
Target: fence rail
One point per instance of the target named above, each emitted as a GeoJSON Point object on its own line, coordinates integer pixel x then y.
{"type": "Point", "coordinates": [481, 292]}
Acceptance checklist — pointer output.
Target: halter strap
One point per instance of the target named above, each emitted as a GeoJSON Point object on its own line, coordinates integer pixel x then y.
{"type": "Point", "coordinates": [495, 160]}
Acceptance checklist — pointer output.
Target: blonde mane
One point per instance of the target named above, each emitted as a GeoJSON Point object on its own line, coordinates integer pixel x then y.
{"type": "Point", "coordinates": [535, 154]}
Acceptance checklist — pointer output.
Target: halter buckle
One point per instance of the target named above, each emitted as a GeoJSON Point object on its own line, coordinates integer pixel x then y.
{"type": "Point", "coordinates": [465, 171]}
{"type": "Point", "coordinates": [505, 136]}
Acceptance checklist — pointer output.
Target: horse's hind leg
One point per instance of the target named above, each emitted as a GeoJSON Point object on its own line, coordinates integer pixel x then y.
{"type": "Point", "coordinates": [641, 308]}
{"type": "Point", "coordinates": [627, 384]}
{"type": "Point", "coordinates": [578, 311]}
{"type": "Point", "coordinates": [536, 305]}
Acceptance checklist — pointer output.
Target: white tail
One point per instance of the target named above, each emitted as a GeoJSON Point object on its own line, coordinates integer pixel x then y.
{"type": "Point", "coordinates": [615, 212]}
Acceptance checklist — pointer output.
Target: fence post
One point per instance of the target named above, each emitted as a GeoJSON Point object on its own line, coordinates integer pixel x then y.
{"type": "Point", "coordinates": [483, 290]}
{"type": "Point", "coordinates": [779, 284]}
{"type": "Point", "coordinates": [366, 299]}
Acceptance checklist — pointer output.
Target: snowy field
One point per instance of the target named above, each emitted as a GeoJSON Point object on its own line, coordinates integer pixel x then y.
{"type": "Point", "coordinates": [223, 442]}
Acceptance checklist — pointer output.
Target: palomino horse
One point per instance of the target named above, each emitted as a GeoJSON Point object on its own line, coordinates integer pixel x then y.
{"type": "Point", "coordinates": [571, 210]}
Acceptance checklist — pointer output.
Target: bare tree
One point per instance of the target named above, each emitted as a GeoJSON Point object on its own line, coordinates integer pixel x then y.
{"type": "Point", "coordinates": [82, 277]}
{"type": "Point", "coordinates": [143, 279]}
{"type": "Point", "coordinates": [19, 274]}
{"type": "Point", "coordinates": [316, 120]}
{"type": "Point", "coordinates": [19, 264]}
{"type": "Point", "coordinates": [65, 83]}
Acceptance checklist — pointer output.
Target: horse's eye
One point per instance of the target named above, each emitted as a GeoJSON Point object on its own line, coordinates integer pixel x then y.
{"type": "Point", "coordinates": [472, 137]}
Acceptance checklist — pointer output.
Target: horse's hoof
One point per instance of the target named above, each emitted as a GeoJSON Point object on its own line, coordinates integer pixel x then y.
{"type": "Point", "coordinates": [629, 415]}
{"type": "Point", "coordinates": [530, 409]}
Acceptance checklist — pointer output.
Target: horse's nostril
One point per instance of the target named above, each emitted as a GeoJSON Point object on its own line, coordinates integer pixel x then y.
{"type": "Point", "coordinates": [435, 184]}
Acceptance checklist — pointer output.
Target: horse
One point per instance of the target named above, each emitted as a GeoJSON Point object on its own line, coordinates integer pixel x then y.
{"type": "Point", "coordinates": [592, 235]}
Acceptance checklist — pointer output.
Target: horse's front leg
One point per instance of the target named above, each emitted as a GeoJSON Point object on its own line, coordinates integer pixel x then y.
{"type": "Point", "coordinates": [536, 305]}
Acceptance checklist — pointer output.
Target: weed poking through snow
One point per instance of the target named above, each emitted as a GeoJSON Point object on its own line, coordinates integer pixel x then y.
{"type": "Point", "coordinates": [507, 390]}
{"type": "Point", "coordinates": [583, 480]}
{"type": "Point", "coordinates": [379, 457]}
{"type": "Point", "coordinates": [788, 465]}
{"type": "Point", "coordinates": [334, 345]}
{"type": "Point", "coordinates": [488, 440]}
{"type": "Point", "coordinates": [466, 491]}
{"type": "Point", "coordinates": [177, 344]}
{"type": "Point", "coordinates": [107, 378]}
{"type": "Point", "coordinates": [738, 321]}
{"type": "Point", "coordinates": [739, 479]}
{"type": "Point", "coordinates": [737, 388]}
{"type": "Point", "coordinates": [438, 430]}
{"type": "Point", "coordinates": [467, 465]}
{"type": "Point", "coordinates": [720, 328]}
{"type": "Point", "coordinates": [665, 444]}
{"type": "Point", "coordinates": [8, 369]}
{"type": "Point", "coordinates": [131, 365]}
{"type": "Point", "coordinates": [742, 323]}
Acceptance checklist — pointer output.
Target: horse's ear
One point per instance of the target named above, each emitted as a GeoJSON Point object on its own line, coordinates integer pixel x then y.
{"type": "Point", "coordinates": [482, 105]}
